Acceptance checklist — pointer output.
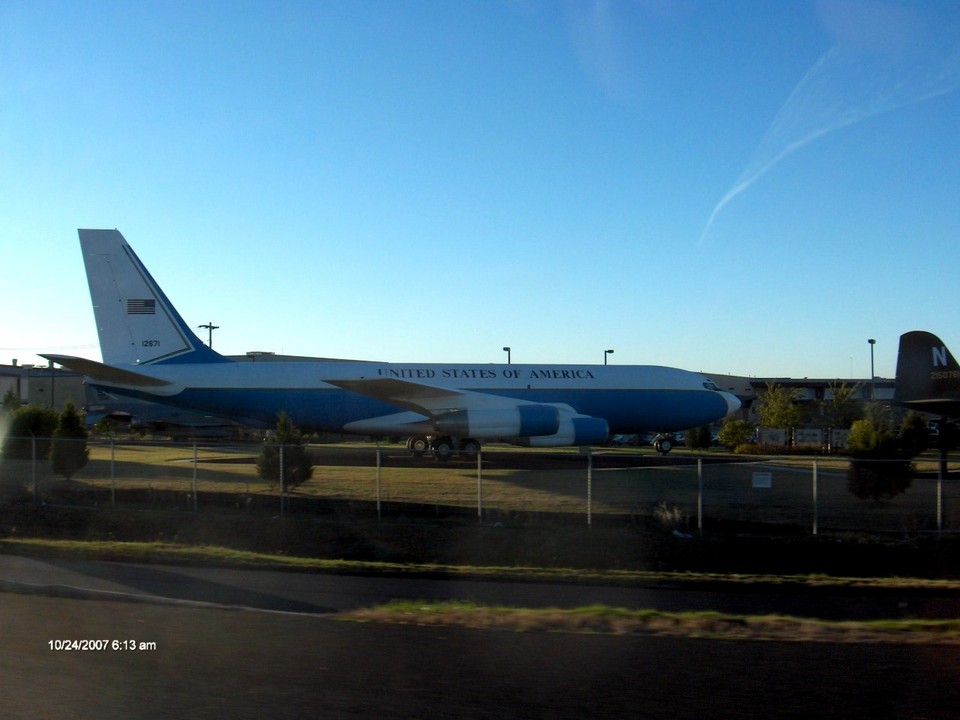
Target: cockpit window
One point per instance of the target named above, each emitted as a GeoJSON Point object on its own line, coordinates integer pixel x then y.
{"type": "Point", "coordinates": [710, 385]}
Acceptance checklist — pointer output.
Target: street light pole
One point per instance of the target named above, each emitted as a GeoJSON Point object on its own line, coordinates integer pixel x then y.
{"type": "Point", "coordinates": [873, 386]}
{"type": "Point", "coordinates": [210, 327]}
{"type": "Point", "coordinates": [506, 349]}
{"type": "Point", "coordinates": [605, 354]}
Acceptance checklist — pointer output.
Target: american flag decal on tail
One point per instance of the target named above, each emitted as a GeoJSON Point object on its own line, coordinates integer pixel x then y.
{"type": "Point", "coordinates": [142, 307]}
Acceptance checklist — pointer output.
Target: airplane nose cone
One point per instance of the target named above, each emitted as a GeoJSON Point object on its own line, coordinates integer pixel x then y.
{"type": "Point", "coordinates": [733, 402]}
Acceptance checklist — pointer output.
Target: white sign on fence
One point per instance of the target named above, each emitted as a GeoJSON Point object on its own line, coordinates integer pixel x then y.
{"type": "Point", "coordinates": [838, 438]}
{"type": "Point", "coordinates": [808, 437]}
{"type": "Point", "coordinates": [763, 480]}
{"type": "Point", "coordinates": [772, 436]}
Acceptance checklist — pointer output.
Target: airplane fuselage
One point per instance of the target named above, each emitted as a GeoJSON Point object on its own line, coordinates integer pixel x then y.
{"type": "Point", "coordinates": [149, 352]}
{"type": "Point", "coordinates": [630, 398]}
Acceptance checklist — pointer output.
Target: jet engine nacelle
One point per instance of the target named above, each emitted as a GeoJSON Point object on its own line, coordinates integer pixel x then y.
{"type": "Point", "coordinates": [518, 421]}
{"type": "Point", "coordinates": [574, 430]}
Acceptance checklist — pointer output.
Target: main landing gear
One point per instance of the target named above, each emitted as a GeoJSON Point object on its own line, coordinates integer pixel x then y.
{"type": "Point", "coordinates": [663, 443]}
{"type": "Point", "coordinates": [443, 447]}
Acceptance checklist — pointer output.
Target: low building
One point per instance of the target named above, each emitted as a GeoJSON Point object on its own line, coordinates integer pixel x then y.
{"type": "Point", "coordinates": [42, 385]}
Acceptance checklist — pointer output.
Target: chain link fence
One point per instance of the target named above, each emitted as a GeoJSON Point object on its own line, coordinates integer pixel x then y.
{"type": "Point", "coordinates": [686, 493]}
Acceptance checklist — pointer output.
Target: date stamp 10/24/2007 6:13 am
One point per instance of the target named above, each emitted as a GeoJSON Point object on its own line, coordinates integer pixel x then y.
{"type": "Point", "coordinates": [101, 645]}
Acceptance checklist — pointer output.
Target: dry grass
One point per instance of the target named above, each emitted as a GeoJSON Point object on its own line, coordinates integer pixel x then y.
{"type": "Point", "coordinates": [619, 621]}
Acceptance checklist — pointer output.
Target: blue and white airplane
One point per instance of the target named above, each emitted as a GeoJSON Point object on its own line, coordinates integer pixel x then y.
{"type": "Point", "coordinates": [150, 353]}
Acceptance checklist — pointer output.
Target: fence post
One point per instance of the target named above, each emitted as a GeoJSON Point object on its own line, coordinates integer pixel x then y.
{"type": "Point", "coordinates": [479, 486]}
{"type": "Point", "coordinates": [113, 475]}
{"type": "Point", "coordinates": [940, 467]}
{"type": "Point", "coordinates": [700, 496]}
{"type": "Point", "coordinates": [589, 487]}
{"type": "Point", "coordinates": [379, 465]}
{"type": "Point", "coordinates": [33, 465]}
{"type": "Point", "coordinates": [194, 477]}
{"type": "Point", "coordinates": [281, 481]}
{"type": "Point", "coordinates": [816, 503]}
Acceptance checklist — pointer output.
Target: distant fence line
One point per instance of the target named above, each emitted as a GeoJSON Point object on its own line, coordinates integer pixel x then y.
{"type": "Point", "coordinates": [685, 493]}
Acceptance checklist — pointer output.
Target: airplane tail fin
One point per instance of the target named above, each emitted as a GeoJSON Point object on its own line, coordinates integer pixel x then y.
{"type": "Point", "coordinates": [928, 376]}
{"type": "Point", "coordinates": [136, 322]}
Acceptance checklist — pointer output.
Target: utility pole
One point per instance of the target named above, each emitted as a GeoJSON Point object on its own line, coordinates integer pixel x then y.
{"type": "Point", "coordinates": [209, 327]}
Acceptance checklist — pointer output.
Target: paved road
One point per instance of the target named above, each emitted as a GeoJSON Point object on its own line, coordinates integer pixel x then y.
{"type": "Point", "coordinates": [219, 664]}
{"type": "Point", "coordinates": [212, 662]}
{"type": "Point", "coordinates": [323, 593]}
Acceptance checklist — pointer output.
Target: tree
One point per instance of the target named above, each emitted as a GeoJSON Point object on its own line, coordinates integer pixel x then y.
{"type": "Point", "coordinates": [843, 407]}
{"type": "Point", "coordinates": [879, 469]}
{"type": "Point", "coordinates": [914, 434]}
{"type": "Point", "coordinates": [881, 415]}
{"type": "Point", "coordinates": [11, 403]}
{"type": "Point", "coordinates": [777, 407]}
{"type": "Point", "coordinates": [867, 437]}
{"type": "Point", "coordinates": [735, 433]}
{"type": "Point", "coordinates": [699, 438]}
{"type": "Point", "coordinates": [68, 451]}
{"type": "Point", "coordinates": [105, 427]}
{"type": "Point", "coordinates": [297, 463]}
{"type": "Point", "coordinates": [31, 425]}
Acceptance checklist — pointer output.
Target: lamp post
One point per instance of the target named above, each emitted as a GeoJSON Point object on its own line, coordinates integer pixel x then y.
{"type": "Point", "coordinates": [873, 387]}
{"type": "Point", "coordinates": [605, 354]}
{"type": "Point", "coordinates": [506, 349]}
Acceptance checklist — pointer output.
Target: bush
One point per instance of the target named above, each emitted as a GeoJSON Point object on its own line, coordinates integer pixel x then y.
{"type": "Point", "coordinates": [698, 438]}
{"type": "Point", "coordinates": [27, 423]}
{"type": "Point", "coordinates": [914, 434]}
{"type": "Point", "coordinates": [670, 517]}
{"type": "Point", "coordinates": [297, 463]}
{"type": "Point", "coordinates": [735, 433]}
{"type": "Point", "coordinates": [879, 479]}
{"type": "Point", "coordinates": [69, 452]}
{"type": "Point", "coordinates": [11, 403]}
{"type": "Point", "coordinates": [879, 469]}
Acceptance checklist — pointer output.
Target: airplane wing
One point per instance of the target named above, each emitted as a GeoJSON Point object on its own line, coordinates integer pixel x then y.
{"type": "Point", "coordinates": [430, 400]}
{"type": "Point", "coordinates": [464, 413]}
{"type": "Point", "coordinates": [106, 373]}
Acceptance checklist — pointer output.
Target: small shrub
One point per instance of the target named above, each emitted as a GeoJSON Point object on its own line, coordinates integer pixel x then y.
{"type": "Point", "coordinates": [879, 479]}
{"type": "Point", "coordinates": [735, 433]}
{"type": "Point", "coordinates": [878, 470]}
{"type": "Point", "coordinates": [914, 434]}
{"type": "Point", "coordinates": [297, 463]}
{"type": "Point", "coordinates": [68, 451]}
{"type": "Point", "coordinates": [699, 438]}
{"type": "Point", "coordinates": [671, 518]}
{"type": "Point", "coordinates": [29, 424]}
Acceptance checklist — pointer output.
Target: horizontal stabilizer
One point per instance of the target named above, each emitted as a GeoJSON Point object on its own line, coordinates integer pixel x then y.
{"type": "Point", "coordinates": [106, 373]}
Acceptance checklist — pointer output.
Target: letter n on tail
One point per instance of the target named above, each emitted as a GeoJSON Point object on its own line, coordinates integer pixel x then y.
{"type": "Point", "coordinates": [939, 356]}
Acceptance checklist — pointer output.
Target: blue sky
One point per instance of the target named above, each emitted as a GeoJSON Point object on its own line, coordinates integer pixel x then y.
{"type": "Point", "coordinates": [738, 187]}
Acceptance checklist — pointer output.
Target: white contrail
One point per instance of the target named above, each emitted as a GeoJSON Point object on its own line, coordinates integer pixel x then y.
{"type": "Point", "coordinates": [850, 83]}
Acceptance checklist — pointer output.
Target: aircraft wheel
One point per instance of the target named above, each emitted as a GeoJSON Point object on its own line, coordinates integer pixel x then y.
{"type": "Point", "coordinates": [442, 449]}
{"type": "Point", "coordinates": [664, 446]}
{"type": "Point", "coordinates": [469, 449]}
{"type": "Point", "coordinates": [418, 445]}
